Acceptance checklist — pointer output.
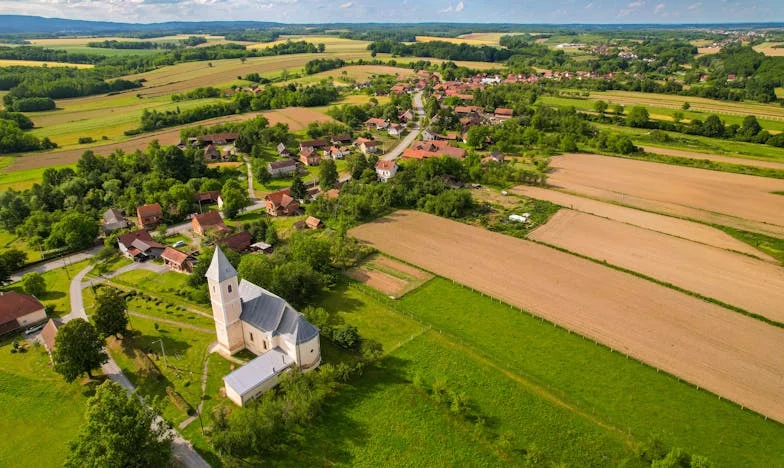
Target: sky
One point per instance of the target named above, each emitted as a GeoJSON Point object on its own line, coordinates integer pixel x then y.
{"type": "Point", "coordinates": [463, 11]}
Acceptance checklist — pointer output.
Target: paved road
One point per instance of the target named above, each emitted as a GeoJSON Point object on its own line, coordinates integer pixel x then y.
{"type": "Point", "coordinates": [406, 142]}
{"type": "Point", "coordinates": [182, 450]}
{"type": "Point", "coordinates": [55, 263]}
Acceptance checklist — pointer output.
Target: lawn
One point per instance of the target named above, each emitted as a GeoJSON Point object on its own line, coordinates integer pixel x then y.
{"type": "Point", "coordinates": [58, 284]}
{"type": "Point", "coordinates": [12, 241]}
{"type": "Point", "coordinates": [169, 286]}
{"type": "Point", "coordinates": [185, 351]}
{"type": "Point", "coordinates": [620, 392]}
{"type": "Point", "coordinates": [41, 413]}
{"type": "Point", "coordinates": [24, 179]}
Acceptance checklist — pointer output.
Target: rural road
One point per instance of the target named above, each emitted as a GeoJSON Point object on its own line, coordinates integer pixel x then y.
{"type": "Point", "coordinates": [55, 263]}
{"type": "Point", "coordinates": [406, 142]}
{"type": "Point", "coordinates": [182, 450]}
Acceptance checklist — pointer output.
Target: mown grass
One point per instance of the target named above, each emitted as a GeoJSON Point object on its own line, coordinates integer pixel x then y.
{"type": "Point", "coordinates": [167, 286]}
{"type": "Point", "coordinates": [58, 283]}
{"type": "Point", "coordinates": [25, 178]}
{"type": "Point", "coordinates": [41, 413]}
{"type": "Point", "coordinates": [621, 392]}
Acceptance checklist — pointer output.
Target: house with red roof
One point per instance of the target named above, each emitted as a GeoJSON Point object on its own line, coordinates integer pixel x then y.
{"type": "Point", "coordinates": [309, 157]}
{"type": "Point", "coordinates": [386, 170]}
{"type": "Point", "coordinates": [281, 203]}
{"type": "Point", "coordinates": [177, 260]}
{"type": "Point", "coordinates": [239, 242]}
{"type": "Point", "coordinates": [19, 310]}
{"type": "Point", "coordinates": [433, 149]}
{"type": "Point", "coordinates": [376, 124]}
{"type": "Point", "coordinates": [210, 221]}
{"type": "Point", "coordinates": [149, 215]}
{"type": "Point", "coordinates": [139, 246]}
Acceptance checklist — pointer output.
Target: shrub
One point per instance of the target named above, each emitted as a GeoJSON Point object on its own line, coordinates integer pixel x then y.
{"type": "Point", "coordinates": [85, 140]}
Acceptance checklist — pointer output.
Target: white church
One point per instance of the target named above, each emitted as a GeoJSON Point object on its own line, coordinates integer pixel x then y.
{"type": "Point", "coordinates": [250, 317]}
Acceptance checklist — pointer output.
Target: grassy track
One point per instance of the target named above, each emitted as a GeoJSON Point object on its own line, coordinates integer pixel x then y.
{"type": "Point", "coordinates": [41, 413]}
{"type": "Point", "coordinates": [622, 392]}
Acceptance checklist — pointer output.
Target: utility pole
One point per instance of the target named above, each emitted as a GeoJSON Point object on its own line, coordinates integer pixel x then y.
{"type": "Point", "coordinates": [163, 351]}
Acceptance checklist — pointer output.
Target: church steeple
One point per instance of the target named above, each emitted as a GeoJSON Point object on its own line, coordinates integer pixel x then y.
{"type": "Point", "coordinates": [226, 303]}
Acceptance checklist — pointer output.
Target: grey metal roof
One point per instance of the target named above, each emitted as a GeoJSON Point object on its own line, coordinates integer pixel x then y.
{"type": "Point", "coordinates": [220, 268]}
{"type": "Point", "coordinates": [272, 314]}
{"type": "Point", "coordinates": [258, 371]}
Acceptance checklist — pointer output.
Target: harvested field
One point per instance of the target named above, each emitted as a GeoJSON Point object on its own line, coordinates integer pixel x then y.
{"type": "Point", "coordinates": [297, 118]}
{"type": "Point", "coordinates": [389, 276]}
{"type": "Point", "coordinates": [464, 39]}
{"type": "Point", "coordinates": [713, 157]}
{"type": "Point", "coordinates": [768, 48]}
{"type": "Point", "coordinates": [655, 222]}
{"type": "Point", "coordinates": [727, 353]}
{"type": "Point", "coordinates": [35, 63]}
{"type": "Point", "coordinates": [356, 72]}
{"type": "Point", "coordinates": [735, 279]}
{"type": "Point", "coordinates": [736, 200]}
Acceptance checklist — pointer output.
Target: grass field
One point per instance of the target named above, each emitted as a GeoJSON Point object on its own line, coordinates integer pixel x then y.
{"type": "Point", "coordinates": [166, 286]}
{"type": "Point", "coordinates": [41, 413]}
{"type": "Point", "coordinates": [618, 391]}
{"type": "Point", "coordinates": [58, 284]}
{"type": "Point", "coordinates": [24, 179]}
{"type": "Point", "coordinates": [332, 44]}
{"type": "Point", "coordinates": [79, 44]}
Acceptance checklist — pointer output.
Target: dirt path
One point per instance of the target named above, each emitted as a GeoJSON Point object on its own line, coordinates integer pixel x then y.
{"type": "Point", "coordinates": [735, 356]}
{"type": "Point", "coordinates": [713, 157]}
{"type": "Point", "coordinates": [735, 279]}
{"type": "Point", "coordinates": [737, 200]}
{"type": "Point", "coordinates": [655, 222]}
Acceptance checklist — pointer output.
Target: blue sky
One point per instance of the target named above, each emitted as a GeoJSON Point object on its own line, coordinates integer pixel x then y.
{"type": "Point", "coordinates": [320, 11]}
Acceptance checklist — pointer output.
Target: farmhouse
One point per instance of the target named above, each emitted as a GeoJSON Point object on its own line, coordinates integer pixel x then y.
{"type": "Point", "coordinates": [433, 149]}
{"type": "Point", "coordinates": [139, 246]}
{"type": "Point", "coordinates": [395, 129]}
{"type": "Point", "coordinates": [281, 203]}
{"type": "Point", "coordinates": [369, 147]}
{"type": "Point", "coordinates": [337, 152]}
{"type": "Point", "coordinates": [386, 170]}
{"type": "Point", "coordinates": [19, 310]}
{"type": "Point", "coordinates": [309, 157]}
{"type": "Point", "coordinates": [250, 317]}
{"type": "Point", "coordinates": [503, 113]}
{"type": "Point", "coordinates": [177, 260]}
{"type": "Point", "coordinates": [207, 198]}
{"type": "Point", "coordinates": [376, 124]}
{"type": "Point", "coordinates": [283, 151]}
{"type": "Point", "coordinates": [218, 138]}
{"type": "Point", "coordinates": [339, 140]}
{"type": "Point", "coordinates": [212, 154]}
{"type": "Point", "coordinates": [113, 220]}
{"type": "Point", "coordinates": [312, 145]}
{"type": "Point", "coordinates": [282, 168]}
{"type": "Point", "coordinates": [210, 221]}
{"type": "Point", "coordinates": [239, 242]}
{"type": "Point", "coordinates": [149, 216]}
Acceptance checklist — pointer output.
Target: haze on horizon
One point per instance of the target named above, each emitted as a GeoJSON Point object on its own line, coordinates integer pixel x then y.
{"type": "Point", "coordinates": [359, 11]}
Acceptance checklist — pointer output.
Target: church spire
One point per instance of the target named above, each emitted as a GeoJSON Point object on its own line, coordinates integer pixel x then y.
{"type": "Point", "coordinates": [220, 268]}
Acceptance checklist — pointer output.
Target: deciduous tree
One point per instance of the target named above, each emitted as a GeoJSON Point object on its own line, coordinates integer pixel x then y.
{"type": "Point", "coordinates": [111, 315]}
{"type": "Point", "coordinates": [78, 350]}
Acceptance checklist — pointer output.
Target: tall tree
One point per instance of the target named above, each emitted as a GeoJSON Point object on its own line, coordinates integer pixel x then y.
{"type": "Point", "coordinates": [78, 350]}
{"type": "Point", "coordinates": [298, 189]}
{"type": "Point", "coordinates": [263, 175]}
{"type": "Point", "coordinates": [34, 284]}
{"type": "Point", "coordinates": [638, 117]}
{"type": "Point", "coordinates": [120, 431]}
{"type": "Point", "coordinates": [75, 231]}
{"type": "Point", "coordinates": [11, 260]}
{"type": "Point", "coordinates": [328, 174]}
{"type": "Point", "coordinates": [235, 198]}
{"type": "Point", "coordinates": [111, 314]}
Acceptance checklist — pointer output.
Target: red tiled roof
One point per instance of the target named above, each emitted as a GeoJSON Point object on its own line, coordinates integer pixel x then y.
{"type": "Point", "coordinates": [174, 256]}
{"type": "Point", "coordinates": [238, 242]}
{"type": "Point", "coordinates": [207, 196]}
{"type": "Point", "coordinates": [15, 305]}
{"type": "Point", "coordinates": [385, 164]}
{"type": "Point", "coordinates": [312, 222]}
{"type": "Point", "coordinates": [312, 143]}
{"type": "Point", "coordinates": [48, 334]}
{"type": "Point", "coordinates": [128, 238]}
{"type": "Point", "coordinates": [153, 209]}
{"type": "Point", "coordinates": [209, 219]}
{"type": "Point", "coordinates": [219, 137]}
{"type": "Point", "coordinates": [504, 111]}
{"type": "Point", "coordinates": [280, 198]}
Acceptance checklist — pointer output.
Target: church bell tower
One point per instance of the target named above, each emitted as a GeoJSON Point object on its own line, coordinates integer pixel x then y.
{"type": "Point", "coordinates": [226, 302]}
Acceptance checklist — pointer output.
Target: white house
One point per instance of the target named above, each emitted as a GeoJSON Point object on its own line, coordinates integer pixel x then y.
{"type": "Point", "coordinates": [250, 317]}
{"type": "Point", "coordinates": [386, 170]}
{"type": "Point", "coordinates": [395, 129]}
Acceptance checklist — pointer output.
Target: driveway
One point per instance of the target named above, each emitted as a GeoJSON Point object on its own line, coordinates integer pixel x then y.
{"type": "Point", "coordinates": [406, 142]}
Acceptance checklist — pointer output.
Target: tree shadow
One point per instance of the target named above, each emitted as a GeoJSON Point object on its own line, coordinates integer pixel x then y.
{"type": "Point", "coordinates": [52, 295]}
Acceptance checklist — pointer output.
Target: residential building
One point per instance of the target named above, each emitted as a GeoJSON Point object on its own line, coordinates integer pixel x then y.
{"type": "Point", "coordinates": [239, 242]}
{"type": "Point", "coordinates": [376, 124]}
{"type": "Point", "coordinates": [249, 317]}
{"type": "Point", "coordinates": [139, 246]}
{"type": "Point", "coordinates": [309, 157]}
{"type": "Point", "coordinates": [177, 260]}
{"type": "Point", "coordinates": [312, 145]}
{"type": "Point", "coordinates": [386, 170]}
{"type": "Point", "coordinates": [19, 310]}
{"type": "Point", "coordinates": [218, 138]}
{"type": "Point", "coordinates": [211, 153]}
{"type": "Point", "coordinates": [283, 151]}
{"type": "Point", "coordinates": [395, 129]}
{"type": "Point", "coordinates": [48, 336]}
{"type": "Point", "coordinates": [433, 149]}
{"type": "Point", "coordinates": [340, 140]}
{"type": "Point", "coordinates": [282, 168]}
{"type": "Point", "coordinates": [207, 198]}
{"type": "Point", "coordinates": [281, 203]}
{"type": "Point", "coordinates": [149, 215]}
{"type": "Point", "coordinates": [503, 113]}
{"type": "Point", "coordinates": [208, 222]}
{"type": "Point", "coordinates": [369, 147]}
{"type": "Point", "coordinates": [113, 220]}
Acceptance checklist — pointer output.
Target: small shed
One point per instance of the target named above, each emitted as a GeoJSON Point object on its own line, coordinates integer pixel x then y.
{"type": "Point", "coordinates": [256, 377]}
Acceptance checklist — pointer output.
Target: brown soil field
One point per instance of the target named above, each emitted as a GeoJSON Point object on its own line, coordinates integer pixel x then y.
{"type": "Point", "coordinates": [713, 157]}
{"type": "Point", "coordinates": [297, 118]}
{"type": "Point", "coordinates": [655, 222]}
{"type": "Point", "coordinates": [735, 279]}
{"type": "Point", "coordinates": [730, 354]}
{"type": "Point", "coordinates": [768, 49]}
{"type": "Point", "coordinates": [389, 276]}
{"type": "Point", "coordinates": [736, 200]}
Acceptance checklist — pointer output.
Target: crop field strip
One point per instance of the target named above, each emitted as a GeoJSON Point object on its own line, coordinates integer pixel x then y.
{"type": "Point", "coordinates": [735, 200]}
{"type": "Point", "coordinates": [677, 227]}
{"type": "Point", "coordinates": [713, 157]}
{"type": "Point", "coordinates": [750, 284]}
{"type": "Point", "coordinates": [714, 348]}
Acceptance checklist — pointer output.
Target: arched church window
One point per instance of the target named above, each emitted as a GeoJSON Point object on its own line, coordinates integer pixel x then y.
{"type": "Point", "coordinates": [229, 288]}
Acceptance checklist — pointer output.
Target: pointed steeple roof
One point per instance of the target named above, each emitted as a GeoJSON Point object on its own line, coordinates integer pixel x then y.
{"type": "Point", "coordinates": [220, 268]}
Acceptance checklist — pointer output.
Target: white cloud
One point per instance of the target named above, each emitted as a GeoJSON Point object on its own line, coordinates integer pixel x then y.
{"type": "Point", "coordinates": [589, 6]}
{"type": "Point", "coordinates": [446, 10]}
{"type": "Point", "coordinates": [695, 6]}
{"type": "Point", "coordinates": [658, 8]}
{"type": "Point", "coordinates": [347, 5]}
{"type": "Point", "coordinates": [631, 8]}
{"type": "Point", "coordinates": [456, 9]}
{"type": "Point", "coordinates": [459, 7]}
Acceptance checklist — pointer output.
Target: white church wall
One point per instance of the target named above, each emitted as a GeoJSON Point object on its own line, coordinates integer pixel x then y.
{"type": "Point", "coordinates": [309, 353]}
